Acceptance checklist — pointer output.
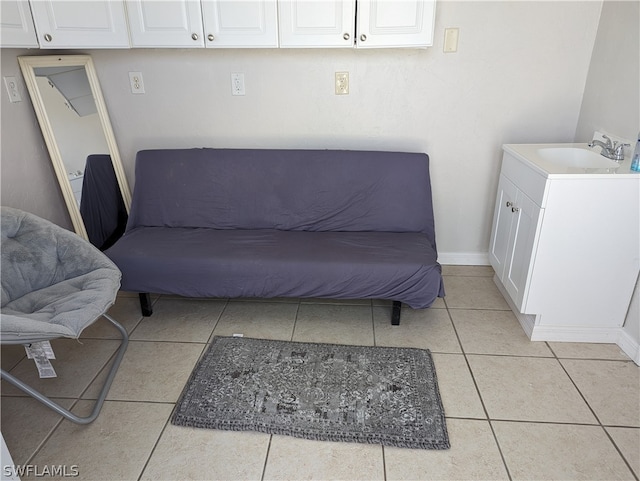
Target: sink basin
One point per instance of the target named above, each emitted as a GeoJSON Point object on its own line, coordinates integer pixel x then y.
{"type": "Point", "coordinates": [576, 157]}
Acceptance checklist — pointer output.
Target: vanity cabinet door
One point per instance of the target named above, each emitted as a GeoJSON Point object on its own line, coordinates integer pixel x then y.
{"type": "Point", "coordinates": [515, 227]}
{"type": "Point", "coordinates": [246, 23]}
{"type": "Point", "coordinates": [520, 250]}
{"type": "Point", "coordinates": [502, 221]}
{"type": "Point", "coordinates": [167, 23]}
{"type": "Point", "coordinates": [80, 24]}
{"type": "Point", "coordinates": [16, 25]}
{"type": "Point", "coordinates": [395, 23]}
{"type": "Point", "coordinates": [316, 23]}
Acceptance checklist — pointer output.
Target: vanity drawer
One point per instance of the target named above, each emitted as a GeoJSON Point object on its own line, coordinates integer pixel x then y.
{"type": "Point", "coordinates": [527, 180]}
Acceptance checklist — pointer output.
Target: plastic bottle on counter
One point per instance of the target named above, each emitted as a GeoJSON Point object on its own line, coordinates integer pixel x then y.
{"type": "Point", "coordinates": [635, 160]}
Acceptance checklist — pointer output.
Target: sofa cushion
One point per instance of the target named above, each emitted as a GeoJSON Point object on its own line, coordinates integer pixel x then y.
{"type": "Point", "coordinates": [301, 190]}
{"type": "Point", "coordinates": [265, 263]}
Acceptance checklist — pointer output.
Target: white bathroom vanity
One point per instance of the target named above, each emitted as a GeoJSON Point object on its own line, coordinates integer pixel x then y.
{"type": "Point", "coordinates": [565, 242]}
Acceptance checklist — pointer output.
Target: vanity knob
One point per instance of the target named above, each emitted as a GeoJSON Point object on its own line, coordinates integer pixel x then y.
{"type": "Point", "coordinates": [363, 37]}
{"type": "Point", "coordinates": [194, 36]}
{"type": "Point", "coordinates": [210, 37]}
{"type": "Point", "coordinates": [48, 37]}
{"type": "Point", "coordinates": [346, 36]}
{"type": "Point", "coordinates": [509, 204]}
{"type": "Point", "coordinates": [515, 209]}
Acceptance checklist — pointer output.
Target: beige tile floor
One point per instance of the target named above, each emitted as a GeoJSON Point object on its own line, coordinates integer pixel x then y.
{"type": "Point", "coordinates": [515, 409]}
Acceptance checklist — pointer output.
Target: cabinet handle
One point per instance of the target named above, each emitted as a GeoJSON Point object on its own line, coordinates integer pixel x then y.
{"type": "Point", "coordinates": [363, 37]}
{"type": "Point", "coordinates": [210, 37]}
{"type": "Point", "coordinates": [509, 204]}
{"type": "Point", "coordinates": [346, 36]}
{"type": "Point", "coordinates": [194, 36]}
{"type": "Point", "coordinates": [48, 37]}
{"type": "Point", "coordinates": [515, 209]}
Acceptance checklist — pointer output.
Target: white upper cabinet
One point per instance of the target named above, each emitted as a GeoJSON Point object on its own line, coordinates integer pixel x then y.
{"type": "Point", "coordinates": [395, 23]}
{"type": "Point", "coordinates": [316, 23]}
{"type": "Point", "coordinates": [16, 24]}
{"type": "Point", "coordinates": [240, 23]}
{"type": "Point", "coordinates": [85, 24]}
{"type": "Point", "coordinates": [165, 23]}
{"type": "Point", "coordinates": [217, 23]}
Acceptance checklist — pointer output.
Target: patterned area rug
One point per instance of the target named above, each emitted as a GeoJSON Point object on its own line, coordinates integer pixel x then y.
{"type": "Point", "coordinates": [328, 392]}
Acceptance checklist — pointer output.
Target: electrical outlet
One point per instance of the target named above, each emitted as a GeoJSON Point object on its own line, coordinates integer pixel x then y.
{"type": "Point", "coordinates": [12, 89]}
{"type": "Point", "coordinates": [342, 83]}
{"type": "Point", "coordinates": [237, 84]}
{"type": "Point", "coordinates": [137, 84]}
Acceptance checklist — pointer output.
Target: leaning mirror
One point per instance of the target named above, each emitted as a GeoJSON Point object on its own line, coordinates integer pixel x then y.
{"type": "Point", "coordinates": [75, 125]}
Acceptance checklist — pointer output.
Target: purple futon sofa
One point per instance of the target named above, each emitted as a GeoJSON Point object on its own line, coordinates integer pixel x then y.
{"type": "Point", "coordinates": [281, 223]}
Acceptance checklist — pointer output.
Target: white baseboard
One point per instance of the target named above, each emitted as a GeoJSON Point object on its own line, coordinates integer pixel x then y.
{"type": "Point", "coordinates": [629, 345]}
{"type": "Point", "coordinates": [464, 258]}
{"type": "Point", "coordinates": [606, 335]}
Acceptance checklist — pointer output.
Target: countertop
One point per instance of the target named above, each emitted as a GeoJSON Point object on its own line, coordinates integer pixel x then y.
{"type": "Point", "coordinates": [529, 154]}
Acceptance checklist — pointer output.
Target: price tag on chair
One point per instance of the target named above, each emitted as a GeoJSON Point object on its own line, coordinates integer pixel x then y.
{"type": "Point", "coordinates": [44, 346]}
{"type": "Point", "coordinates": [41, 352]}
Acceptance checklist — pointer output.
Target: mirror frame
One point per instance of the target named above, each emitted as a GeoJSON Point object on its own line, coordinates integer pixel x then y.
{"type": "Point", "coordinates": [28, 64]}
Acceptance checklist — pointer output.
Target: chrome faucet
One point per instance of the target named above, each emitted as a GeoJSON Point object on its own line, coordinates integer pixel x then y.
{"type": "Point", "coordinates": [613, 150]}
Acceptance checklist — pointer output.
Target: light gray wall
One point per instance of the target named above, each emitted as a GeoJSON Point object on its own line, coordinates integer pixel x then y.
{"type": "Point", "coordinates": [28, 180]}
{"type": "Point", "coordinates": [518, 76]}
{"type": "Point", "coordinates": [611, 100]}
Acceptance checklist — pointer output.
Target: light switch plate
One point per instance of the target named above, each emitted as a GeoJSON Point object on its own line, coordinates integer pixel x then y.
{"type": "Point", "coordinates": [451, 40]}
{"type": "Point", "coordinates": [12, 89]}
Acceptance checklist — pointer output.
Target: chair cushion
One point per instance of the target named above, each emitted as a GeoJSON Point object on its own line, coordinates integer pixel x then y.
{"type": "Point", "coordinates": [54, 283]}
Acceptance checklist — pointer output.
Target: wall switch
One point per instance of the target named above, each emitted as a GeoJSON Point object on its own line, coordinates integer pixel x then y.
{"type": "Point", "coordinates": [12, 89]}
{"type": "Point", "coordinates": [451, 40]}
{"type": "Point", "coordinates": [342, 83]}
{"type": "Point", "coordinates": [237, 84]}
{"type": "Point", "coordinates": [137, 84]}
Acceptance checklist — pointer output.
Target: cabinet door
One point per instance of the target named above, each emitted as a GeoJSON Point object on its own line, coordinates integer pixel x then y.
{"type": "Point", "coordinates": [395, 23]}
{"type": "Point", "coordinates": [316, 23]}
{"type": "Point", "coordinates": [16, 25]}
{"type": "Point", "coordinates": [246, 23]}
{"type": "Point", "coordinates": [85, 24]}
{"type": "Point", "coordinates": [502, 221]}
{"type": "Point", "coordinates": [165, 23]}
{"type": "Point", "coordinates": [522, 240]}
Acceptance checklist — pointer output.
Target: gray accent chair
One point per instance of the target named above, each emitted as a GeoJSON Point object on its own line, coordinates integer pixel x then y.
{"type": "Point", "coordinates": [54, 285]}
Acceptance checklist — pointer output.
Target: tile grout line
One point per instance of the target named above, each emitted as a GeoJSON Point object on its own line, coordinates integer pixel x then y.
{"type": "Point", "coordinates": [266, 458]}
{"type": "Point", "coordinates": [475, 383]}
{"type": "Point", "coordinates": [615, 445]}
{"type": "Point", "coordinates": [211, 336]}
{"type": "Point", "coordinates": [155, 444]}
{"type": "Point", "coordinates": [295, 323]}
{"type": "Point", "coordinates": [384, 464]}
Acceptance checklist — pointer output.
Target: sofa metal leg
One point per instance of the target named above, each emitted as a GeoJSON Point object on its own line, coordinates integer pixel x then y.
{"type": "Point", "coordinates": [395, 313]}
{"type": "Point", "coordinates": [145, 304]}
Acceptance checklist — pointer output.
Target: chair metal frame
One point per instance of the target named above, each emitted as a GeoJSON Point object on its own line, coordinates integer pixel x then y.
{"type": "Point", "coordinates": [103, 392]}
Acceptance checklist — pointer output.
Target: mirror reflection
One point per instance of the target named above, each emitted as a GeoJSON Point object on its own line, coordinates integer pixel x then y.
{"type": "Point", "coordinates": [81, 144]}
